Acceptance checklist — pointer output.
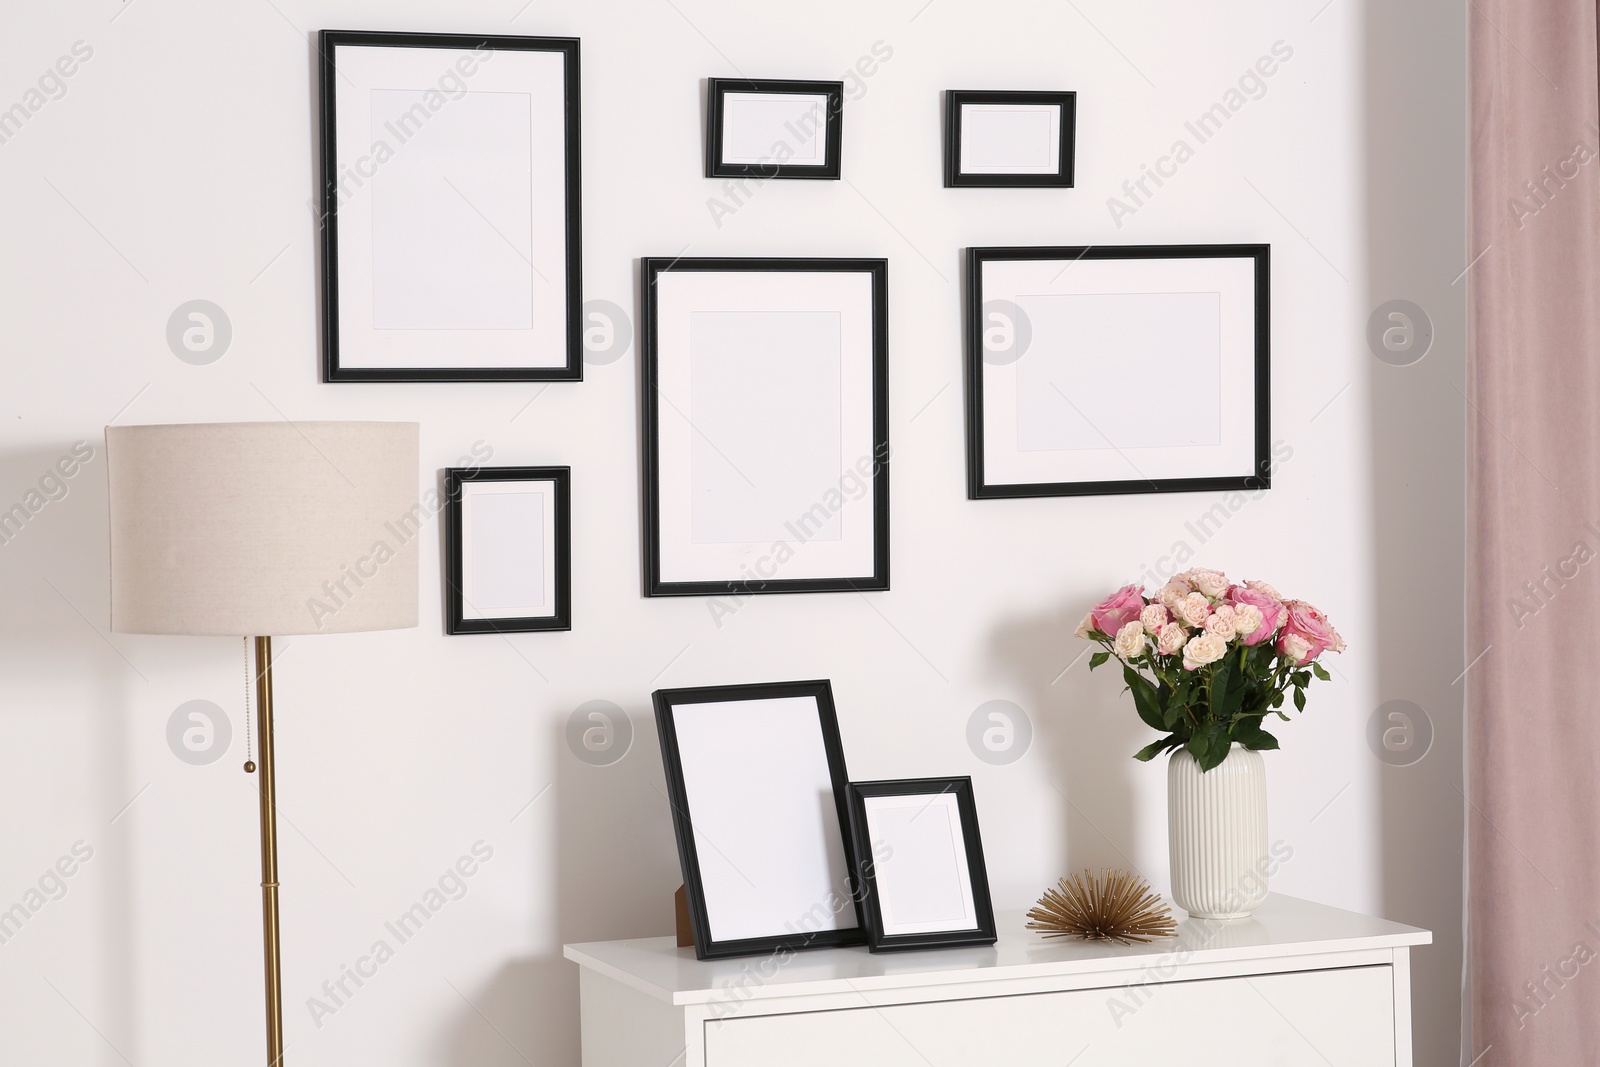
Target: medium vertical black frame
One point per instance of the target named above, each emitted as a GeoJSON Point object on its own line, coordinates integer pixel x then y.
{"type": "Point", "coordinates": [984, 932]}
{"type": "Point", "coordinates": [664, 700]}
{"type": "Point", "coordinates": [832, 142]}
{"type": "Point", "coordinates": [328, 42]}
{"type": "Point", "coordinates": [455, 620]}
{"type": "Point", "coordinates": [652, 268]}
{"type": "Point", "coordinates": [1259, 478]}
{"type": "Point", "coordinates": [953, 176]}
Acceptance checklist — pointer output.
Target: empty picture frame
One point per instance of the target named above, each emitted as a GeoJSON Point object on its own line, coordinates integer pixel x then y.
{"type": "Point", "coordinates": [1135, 369]}
{"type": "Point", "coordinates": [1009, 139]}
{"type": "Point", "coordinates": [756, 779]}
{"type": "Point", "coordinates": [766, 426]}
{"type": "Point", "coordinates": [919, 864]}
{"type": "Point", "coordinates": [508, 547]}
{"type": "Point", "coordinates": [773, 129]}
{"type": "Point", "coordinates": [450, 208]}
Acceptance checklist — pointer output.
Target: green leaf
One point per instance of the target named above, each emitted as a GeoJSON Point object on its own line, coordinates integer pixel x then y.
{"type": "Point", "coordinates": [1144, 698]}
{"type": "Point", "coordinates": [1321, 672]}
{"type": "Point", "coordinates": [1153, 749]}
{"type": "Point", "coordinates": [1217, 745]}
{"type": "Point", "coordinates": [1174, 713]}
{"type": "Point", "coordinates": [1261, 740]}
{"type": "Point", "coordinates": [1228, 690]}
{"type": "Point", "coordinates": [1248, 732]}
{"type": "Point", "coordinates": [1097, 659]}
{"type": "Point", "coordinates": [1198, 745]}
{"type": "Point", "coordinates": [1300, 678]}
{"type": "Point", "coordinates": [1300, 699]}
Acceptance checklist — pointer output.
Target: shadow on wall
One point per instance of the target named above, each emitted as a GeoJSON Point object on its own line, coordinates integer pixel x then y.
{"type": "Point", "coordinates": [615, 875]}
{"type": "Point", "coordinates": [1415, 123]}
{"type": "Point", "coordinates": [1077, 720]}
{"type": "Point", "coordinates": [54, 578]}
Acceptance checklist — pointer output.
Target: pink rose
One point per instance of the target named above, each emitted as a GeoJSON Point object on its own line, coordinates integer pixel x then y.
{"type": "Point", "coordinates": [1271, 609]}
{"type": "Point", "coordinates": [1306, 633]}
{"type": "Point", "coordinates": [1118, 609]}
{"type": "Point", "coordinates": [1264, 589]}
{"type": "Point", "coordinates": [1154, 617]}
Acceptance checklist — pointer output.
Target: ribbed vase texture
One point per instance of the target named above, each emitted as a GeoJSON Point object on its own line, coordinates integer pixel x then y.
{"type": "Point", "coordinates": [1217, 831]}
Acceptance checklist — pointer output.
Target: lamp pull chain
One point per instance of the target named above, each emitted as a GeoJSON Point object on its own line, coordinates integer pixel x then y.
{"type": "Point", "coordinates": [249, 762]}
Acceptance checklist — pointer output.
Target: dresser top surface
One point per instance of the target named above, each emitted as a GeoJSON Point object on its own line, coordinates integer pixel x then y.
{"type": "Point", "coordinates": [1282, 926]}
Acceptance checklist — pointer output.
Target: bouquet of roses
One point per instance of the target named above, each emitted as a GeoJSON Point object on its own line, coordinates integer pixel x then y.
{"type": "Point", "coordinates": [1208, 660]}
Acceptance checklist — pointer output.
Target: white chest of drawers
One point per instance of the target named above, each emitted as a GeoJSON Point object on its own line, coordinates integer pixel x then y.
{"type": "Point", "coordinates": [1296, 985]}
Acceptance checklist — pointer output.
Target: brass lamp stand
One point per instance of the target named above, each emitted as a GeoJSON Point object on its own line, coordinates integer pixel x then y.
{"type": "Point", "coordinates": [228, 529]}
{"type": "Point", "coordinates": [267, 786]}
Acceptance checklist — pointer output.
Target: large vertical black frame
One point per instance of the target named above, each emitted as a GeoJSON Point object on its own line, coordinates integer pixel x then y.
{"type": "Point", "coordinates": [665, 700]}
{"type": "Point", "coordinates": [328, 43]}
{"type": "Point", "coordinates": [651, 269]}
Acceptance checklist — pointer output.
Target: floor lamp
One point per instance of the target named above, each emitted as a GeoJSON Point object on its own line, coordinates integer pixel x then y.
{"type": "Point", "coordinates": [263, 529]}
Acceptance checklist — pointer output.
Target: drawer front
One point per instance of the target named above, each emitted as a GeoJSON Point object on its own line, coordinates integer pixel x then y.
{"type": "Point", "coordinates": [1342, 1018]}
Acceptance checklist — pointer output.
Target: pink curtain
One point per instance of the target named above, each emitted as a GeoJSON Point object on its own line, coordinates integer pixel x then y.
{"type": "Point", "coordinates": [1534, 536]}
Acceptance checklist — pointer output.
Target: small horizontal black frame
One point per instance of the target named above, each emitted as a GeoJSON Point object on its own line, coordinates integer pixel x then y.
{"type": "Point", "coordinates": [832, 141]}
{"type": "Point", "coordinates": [984, 932]}
{"type": "Point", "coordinates": [454, 479]}
{"type": "Point", "coordinates": [652, 268]}
{"type": "Point", "coordinates": [683, 826]}
{"type": "Point", "coordinates": [328, 42]}
{"type": "Point", "coordinates": [953, 176]}
{"type": "Point", "coordinates": [1260, 478]}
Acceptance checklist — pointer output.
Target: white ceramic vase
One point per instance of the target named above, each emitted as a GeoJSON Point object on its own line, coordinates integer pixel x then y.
{"type": "Point", "coordinates": [1217, 833]}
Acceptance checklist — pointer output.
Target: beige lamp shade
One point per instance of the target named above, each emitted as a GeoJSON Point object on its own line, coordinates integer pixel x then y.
{"type": "Point", "coordinates": [263, 528]}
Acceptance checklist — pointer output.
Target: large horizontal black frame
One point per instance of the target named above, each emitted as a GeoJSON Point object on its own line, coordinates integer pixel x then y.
{"type": "Point", "coordinates": [455, 621]}
{"type": "Point", "coordinates": [833, 137]}
{"type": "Point", "coordinates": [984, 932]}
{"type": "Point", "coordinates": [953, 176]}
{"type": "Point", "coordinates": [328, 42]}
{"type": "Point", "coordinates": [665, 700]}
{"type": "Point", "coordinates": [1260, 478]}
{"type": "Point", "coordinates": [652, 268]}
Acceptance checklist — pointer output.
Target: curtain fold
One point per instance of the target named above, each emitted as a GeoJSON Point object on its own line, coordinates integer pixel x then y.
{"type": "Point", "coordinates": [1533, 635]}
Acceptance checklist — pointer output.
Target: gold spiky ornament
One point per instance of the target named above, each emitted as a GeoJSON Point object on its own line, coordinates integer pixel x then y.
{"type": "Point", "coordinates": [1112, 905]}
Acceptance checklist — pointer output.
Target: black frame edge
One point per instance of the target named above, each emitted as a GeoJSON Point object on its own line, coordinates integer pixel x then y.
{"type": "Point", "coordinates": [663, 701]}
{"type": "Point", "coordinates": [455, 622]}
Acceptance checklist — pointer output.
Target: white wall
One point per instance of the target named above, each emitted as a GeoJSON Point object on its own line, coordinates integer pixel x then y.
{"type": "Point", "coordinates": [178, 165]}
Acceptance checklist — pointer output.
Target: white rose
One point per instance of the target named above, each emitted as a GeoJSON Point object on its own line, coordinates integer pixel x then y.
{"type": "Point", "coordinates": [1130, 640]}
{"type": "Point", "coordinates": [1247, 619]}
{"type": "Point", "coordinates": [1202, 649]}
{"type": "Point", "coordinates": [1171, 639]}
{"type": "Point", "coordinates": [1294, 647]}
{"type": "Point", "coordinates": [1211, 583]}
{"type": "Point", "coordinates": [1173, 592]}
{"type": "Point", "coordinates": [1154, 617]}
{"type": "Point", "coordinates": [1085, 628]}
{"type": "Point", "coordinates": [1221, 625]}
{"type": "Point", "coordinates": [1194, 609]}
